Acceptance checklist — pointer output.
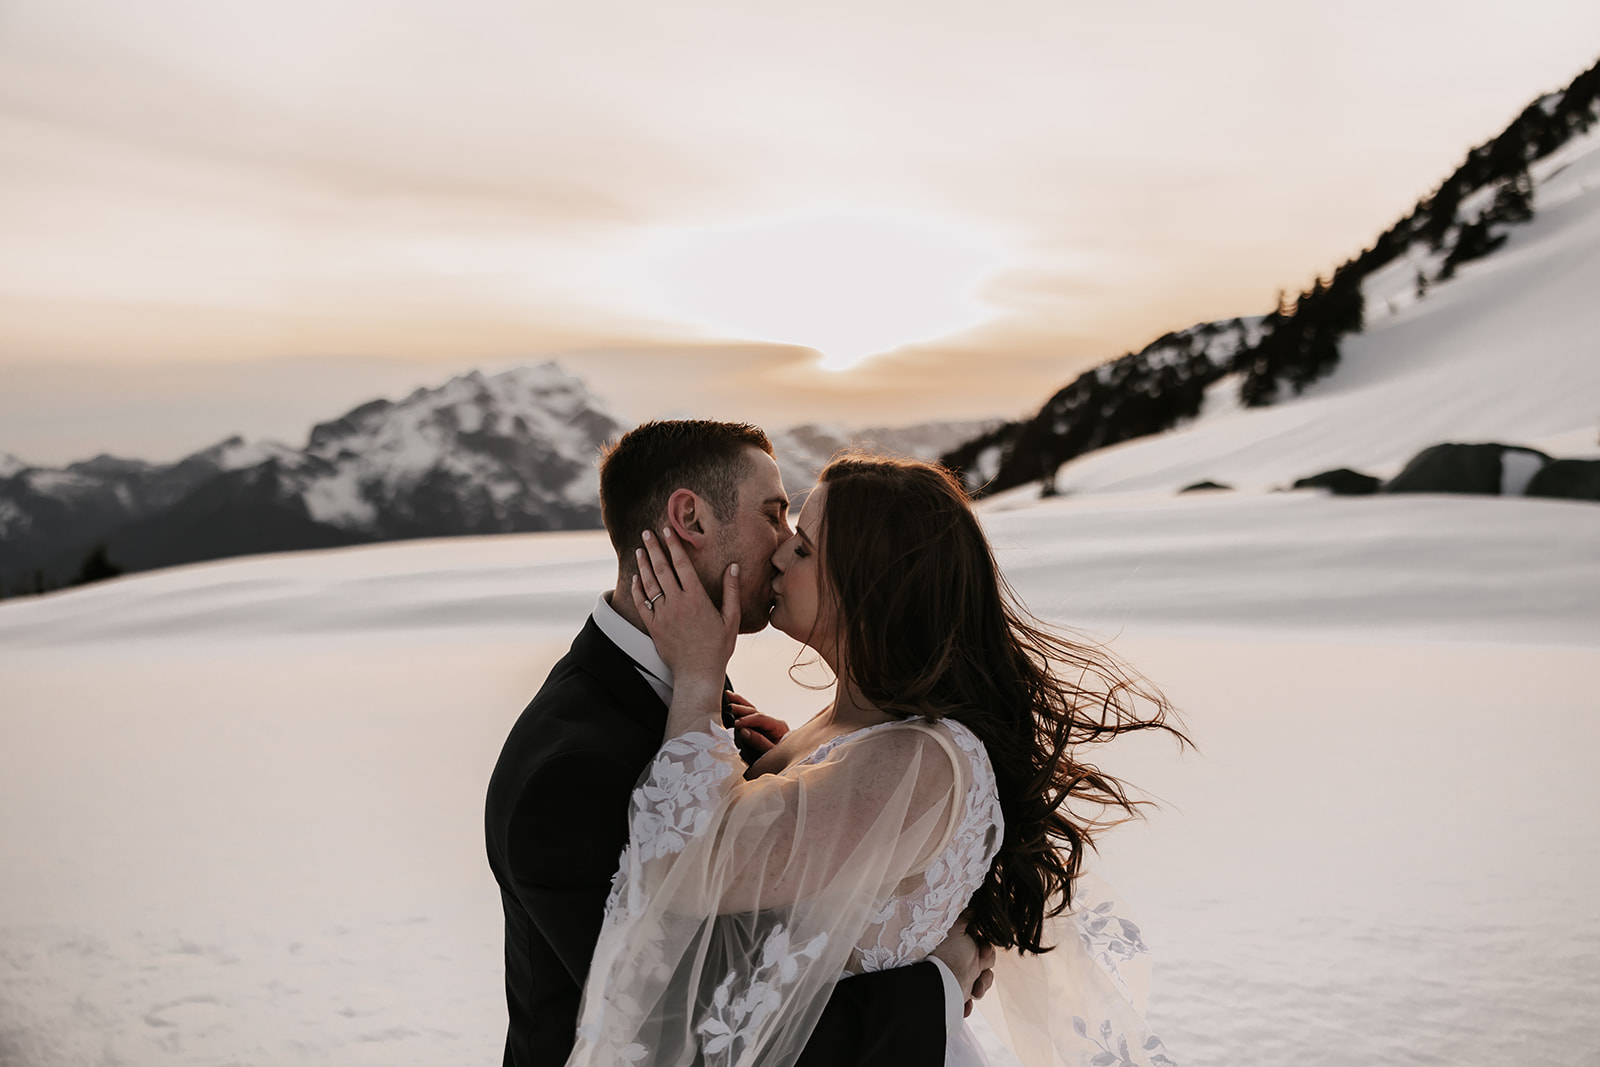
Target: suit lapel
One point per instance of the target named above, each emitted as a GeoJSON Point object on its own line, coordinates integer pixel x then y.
{"type": "Point", "coordinates": [595, 654]}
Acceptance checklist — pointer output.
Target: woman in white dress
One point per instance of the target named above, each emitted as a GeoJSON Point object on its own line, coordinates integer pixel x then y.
{"type": "Point", "coordinates": [944, 778]}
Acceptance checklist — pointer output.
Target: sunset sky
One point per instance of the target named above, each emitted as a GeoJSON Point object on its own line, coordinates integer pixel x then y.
{"type": "Point", "coordinates": [222, 217]}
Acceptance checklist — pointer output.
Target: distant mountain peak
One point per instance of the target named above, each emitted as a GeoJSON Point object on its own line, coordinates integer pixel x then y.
{"type": "Point", "coordinates": [478, 454]}
{"type": "Point", "coordinates": [236, 453]}
{"type": "Point", "coordinates": [802, 451]}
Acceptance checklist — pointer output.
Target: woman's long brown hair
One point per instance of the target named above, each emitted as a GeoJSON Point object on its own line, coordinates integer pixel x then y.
{"type": "Point", "coordinates": [929, 627]}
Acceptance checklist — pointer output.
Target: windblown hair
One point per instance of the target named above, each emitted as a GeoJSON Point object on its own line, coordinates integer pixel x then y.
{"type": "Point", "coordinates": [645, 466]}
{"type": "Point", "coordinates": [929, 627]}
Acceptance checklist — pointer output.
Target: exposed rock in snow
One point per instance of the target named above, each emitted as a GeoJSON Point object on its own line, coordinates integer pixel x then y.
{"type": "Point", "coordinates": [1492, 469]}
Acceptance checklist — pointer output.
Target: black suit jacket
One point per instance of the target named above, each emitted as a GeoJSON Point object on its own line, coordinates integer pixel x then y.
{"type": "Point", "coordinates": [555, 823]}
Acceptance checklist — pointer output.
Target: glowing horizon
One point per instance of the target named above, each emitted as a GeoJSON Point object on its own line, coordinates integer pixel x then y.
{"type": "Point", "coordinates": [850, 283]}
{"type": "Point", "coordinates": [1025, 190]}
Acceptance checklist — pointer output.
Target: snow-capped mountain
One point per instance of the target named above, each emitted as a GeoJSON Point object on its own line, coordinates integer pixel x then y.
{"type": "Point", "coordinates": [47, 511]}
{"type": "Point", "coordinates": [236, 453]}
{"type": "Point", "coordinates": [1504, 351]}
{"type": "Point", "coordinates": [477, 455]}
{"type": "Point", "coordinates": [802, 451]}
{"type": "Point", "coordinates": [1488, 280]}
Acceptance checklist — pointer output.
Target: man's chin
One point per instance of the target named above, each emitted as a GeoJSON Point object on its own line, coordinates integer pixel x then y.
{"type": "Point", "coordinates": [753, 622]}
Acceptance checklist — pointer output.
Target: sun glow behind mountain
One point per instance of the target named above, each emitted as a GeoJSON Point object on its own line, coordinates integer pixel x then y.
{"type": "Point", "coordinates": [848, 283]}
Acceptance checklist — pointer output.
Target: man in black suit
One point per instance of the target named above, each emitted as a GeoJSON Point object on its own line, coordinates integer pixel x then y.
{"type": "Point", "coordinates": [556, 815]}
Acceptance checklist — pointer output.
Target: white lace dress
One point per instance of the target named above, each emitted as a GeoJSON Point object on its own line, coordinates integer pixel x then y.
{"type": "Point", "coordinates": [738, 904]}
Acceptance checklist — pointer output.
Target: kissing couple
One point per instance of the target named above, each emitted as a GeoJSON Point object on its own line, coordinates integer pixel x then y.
{"type": "Point", "coordinates": [687, 881]}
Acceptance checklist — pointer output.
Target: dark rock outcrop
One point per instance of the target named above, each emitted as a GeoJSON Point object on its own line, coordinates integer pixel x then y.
{"type": "Point", "coordinates": [1453, 468]}
{"type": "Point", "coordinates": [1567, 479]}
{"type": "Point", "coordinates": [1341, 482]}
{"type": "Point", "coordinates": [1204, 487]}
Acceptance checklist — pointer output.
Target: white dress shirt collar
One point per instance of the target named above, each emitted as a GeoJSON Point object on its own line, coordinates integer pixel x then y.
{"type": "Point", "coordinates": [636, 645]}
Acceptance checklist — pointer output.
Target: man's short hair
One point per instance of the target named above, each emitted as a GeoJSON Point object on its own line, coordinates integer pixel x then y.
{"type": "Point", "coordinates": [646, 465]}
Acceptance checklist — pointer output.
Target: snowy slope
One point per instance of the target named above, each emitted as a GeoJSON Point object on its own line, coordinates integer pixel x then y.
{"type": "Point", "coordinates": [241, 802]}
{"type": "Point", "coordinates": [1433, 567]}
{"type": "Point", "coordinates": [1508, 350]}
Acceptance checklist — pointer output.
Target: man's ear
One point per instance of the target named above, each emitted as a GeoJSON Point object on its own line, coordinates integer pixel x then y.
{"type": "Point", "coordinates": [690, 517]}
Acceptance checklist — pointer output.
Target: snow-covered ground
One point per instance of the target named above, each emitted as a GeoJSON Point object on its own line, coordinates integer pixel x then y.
{"type": "Point", "coordinates": [240, 803]}
{"type": "Point", "coordinates": [1508, 351]}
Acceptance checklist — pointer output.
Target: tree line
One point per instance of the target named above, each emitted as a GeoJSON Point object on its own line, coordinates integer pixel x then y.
{"type": "Point", "coordinates": [1157, 388]}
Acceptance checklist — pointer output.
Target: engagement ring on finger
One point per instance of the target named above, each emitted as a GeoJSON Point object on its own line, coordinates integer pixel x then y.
{"type": "Point", "coordinates": [651, 603]}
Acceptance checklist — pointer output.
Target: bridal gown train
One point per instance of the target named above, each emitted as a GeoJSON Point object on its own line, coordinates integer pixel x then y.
{"type": "Point", "coordinates": [744, 901]}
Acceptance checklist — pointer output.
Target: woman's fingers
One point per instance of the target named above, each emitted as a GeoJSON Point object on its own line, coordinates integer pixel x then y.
{"type": "Point", "coordinates": [771, 728]}
{"type": "Point", "coordinates": [984, 983]}
{"type": "Point", "coordinates": [752, 744]}
{"type": "Point", "coordinates": [648, 585]}
{"type": "Point", "coordinates": [640, 601]}
{"type": "Point", "coordinates": [660, 564]}
{"type": "Point", "coordinates": [758, 732]}
{"type": "Point", "coordinates": [730, 601]}
{"type": "Point", "coordinates": [683, 569]}
{"type": "Point", "coordinates": [665, 568]}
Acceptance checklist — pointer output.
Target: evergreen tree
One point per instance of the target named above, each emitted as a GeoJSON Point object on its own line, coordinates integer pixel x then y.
{"type": "Point", "coordinates": [1513, 200]}
{"type": "Point", "coordinates": [1441, 213]}
{"type": "Point", "coordinates": [1473, 242]}
{"type": "Point", "coordinates": [96, 566]}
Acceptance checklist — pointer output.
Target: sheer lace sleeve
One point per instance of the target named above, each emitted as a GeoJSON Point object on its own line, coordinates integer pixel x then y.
{"type": "Point", "coordinates": [738, 903]}
{"type": "Point", "coordinates": [1081, 1005]}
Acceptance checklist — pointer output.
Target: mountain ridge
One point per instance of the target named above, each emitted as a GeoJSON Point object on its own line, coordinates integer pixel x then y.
{"type": "Point", "coordinates": [479, 454]}
{"type": "Point", "coordinates": [1469, 217]}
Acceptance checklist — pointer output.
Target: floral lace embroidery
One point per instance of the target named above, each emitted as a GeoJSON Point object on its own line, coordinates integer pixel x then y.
{"type": "Point", "coordinates": [733, 1018]}
{"type": "Point", "coordinates": [1109, 940]}
{"type": "Point", "coordinates": [1118, 1055]}
{"type": "Point", "coordinates": [688, 779]}
{"type": "Point", "coordinates": [907, 927]}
